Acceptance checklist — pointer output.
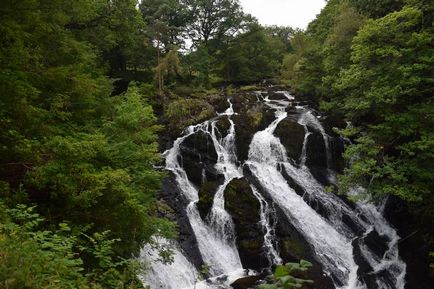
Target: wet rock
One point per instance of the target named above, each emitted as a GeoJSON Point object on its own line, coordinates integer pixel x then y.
{"type": "Point", "coordinates": [290, 181]}
{"type": "Point", "coordinates": [315, 150]}
{"type": "Point", "coordinates": [223, 126]}
{"type": "Point", "coordinates": [247, 123]}
{"type": "Point", "coordinates": [352, 225]}
{"type": "Point", "coordinates": [198, 158]}
{"type": "Point", "coordinates": [243, 206]}
{"type": "Point", "coordinates": [364, 269]}
{"type": "Point", "coordinates": [277, 95]}
{"type": "Point", "coordinates": [413, 248]}
{"type": "Point", "coordinates": [291, 135]}
{"type": "Point", "coordinates": [337, 147]}
{"type": "Point", "coordinates": [376, 243]}
{"type": "Point", "coordinates": [246, 282]}
{"type": "Point", "coordinates": [291, 245]}
{"type": "Point", "coordinates": [206, 196]}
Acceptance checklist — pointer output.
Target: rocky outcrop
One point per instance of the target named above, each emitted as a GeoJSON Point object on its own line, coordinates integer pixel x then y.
{"type": "Point", "coordinates": [198, 158]}
{"type": "Point", "coordinates": [243, 206]}
{"type": "Point", "coordinates": [291, 135]}
{"type": "Point", "coordinates": [206, 196]}
{"type": "Point", "coordinates": [413, 248]}
{"type": "Point", "coordinates": [247, 122]}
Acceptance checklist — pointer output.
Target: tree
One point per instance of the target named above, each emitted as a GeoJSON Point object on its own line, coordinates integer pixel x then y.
{"type": "Point", "coordinates": [388, 93]}
{"type": "Point", "coordinates": [168, 20]}
{"type": "Point", "coordinates": [214, 19]}
{"type": "Point", "coordinates": [251, 56]}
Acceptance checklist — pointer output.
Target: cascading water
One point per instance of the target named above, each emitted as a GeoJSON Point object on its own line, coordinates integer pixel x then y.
{"type": "Point", "coordinates": [333, 231]}
{"type": "Point", "coordinates": [266, 214]}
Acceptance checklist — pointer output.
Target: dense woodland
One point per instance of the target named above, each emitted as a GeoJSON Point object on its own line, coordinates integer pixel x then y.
{"type": "Point", "coordinates": [86, 86]}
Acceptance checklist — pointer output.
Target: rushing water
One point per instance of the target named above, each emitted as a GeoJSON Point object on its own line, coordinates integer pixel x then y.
{"type": "Point", "coordinates": [332, 232]}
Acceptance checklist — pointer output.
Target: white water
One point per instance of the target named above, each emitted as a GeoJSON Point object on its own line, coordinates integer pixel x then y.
{"type": "Point", "coordinates": [266, 214]}
{"type": "Point", "coordinates": [217, 252]}
{"type": "Point", "coordinates": [178, 274]}
{"type": "Point", "coordinates": [330, 238]}
{"type": "Point", "coordinates": [333, 250]}
{"type": "Point", "coordinates": [308, 119]}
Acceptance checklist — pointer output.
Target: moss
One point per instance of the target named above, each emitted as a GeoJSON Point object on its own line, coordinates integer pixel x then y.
{"type": "Point", "coordinates": [294, 247]}
{"type": "Point", "coordinates": [255, 116]}
{"type": "Point", "coordinates": [181, 113]}
{"type": "Point", "coordinates": [206, 197]}
{"type": "Point", "coordinates": [250, 244]}
{"type": "Point", "coordinates": [248, 88]}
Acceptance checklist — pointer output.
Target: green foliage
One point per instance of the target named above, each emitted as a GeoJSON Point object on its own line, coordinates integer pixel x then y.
{"type": "Point", "coordinates": [392, 55]}
{"type": "Point", "coordinates": [33, 257]}
{"type": "Point", "coordinates": [284, 276]}
{"type": "Point", "coordinates": [251, 56]}
{"type": "Point", "coordinates": [80, 156]}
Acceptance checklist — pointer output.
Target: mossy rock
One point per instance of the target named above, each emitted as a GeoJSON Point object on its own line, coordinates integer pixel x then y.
{"type": "Point", "coordinates": [223, 126]}
{"type": "Point", "coordinates": [291, 135]}
{"type": "Point", "coordinates": [247, 123]}
{"type": "Point", "coordinates": [294, 248]}
{"type": "Point", "coordinates": [206, 196]}
{"type": "Point", "coordinates": [243, 206]}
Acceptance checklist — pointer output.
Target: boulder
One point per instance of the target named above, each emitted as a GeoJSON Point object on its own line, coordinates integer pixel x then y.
{"type": "Point", "coordinates": [206, 196]}
{"type": "Point", "coordinates": [291, 135]}
{"type": "Point", "coordinates": [247, 282]}
{"type": "Point", "coordinates": [247, 123]}
{"type": "Point", "coordinates": [244, 208]}
{"type": "Point", "coordinates": [223, 126]}
{"type": "Point", "coordinates": [198, 158]}
{"type": "Point", "coordinates": [315, 150]}
{"type": "Point", "coordinates": [337, 147]}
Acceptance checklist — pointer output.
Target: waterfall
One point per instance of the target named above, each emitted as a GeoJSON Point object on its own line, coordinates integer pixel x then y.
{"type": "Point", "coordinates": [178, 274]}
{"type": "Point", "coordinates": [308, 119]}
{"type": "Point", "coordinates": [220, 253]}
{"type": "Point", "coordinates": [330, 236]}
{"type": "Point", "coordinates": [333, 229]}
{"type": "Point", "coordinates": [333, 250]}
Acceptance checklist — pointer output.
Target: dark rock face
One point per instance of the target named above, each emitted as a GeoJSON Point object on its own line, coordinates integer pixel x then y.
{"type": "Point", "coordinates": [365, 270]}
{"type": "Point", "coordinates": [199, 157]}
{"type": "Point", "coordinates": [206, 196]}
{"type": "Point", "coordinates": [337, 147]}
{"type": "Point", "coordinates": [315, 150]}
{"type": "Point", "coordinates": [291, 135]}
{"type": "Point", "coordinates": [376, 242]}
{"type": "Point", "coordinates": [243, 206]}
{"type": "Point", "coordinates": [291, 245]}
{"type": "Point", "coordinates": [276, 95]}
{"type": "Point", "coordinates": [316, 157]}
{"type": "Point", "coordinates": [223, 126]}
{"type": "Point", "coordinates": [247, 123]}
{"type": "Point", "coordinates": [247, 282]}
{"type": "Point", "coordinates": [413, 248]}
